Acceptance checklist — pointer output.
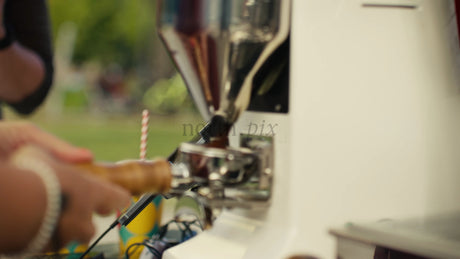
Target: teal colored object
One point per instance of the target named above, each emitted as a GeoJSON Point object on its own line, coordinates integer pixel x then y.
{"type": "Point", "coordinates": [143, 227]}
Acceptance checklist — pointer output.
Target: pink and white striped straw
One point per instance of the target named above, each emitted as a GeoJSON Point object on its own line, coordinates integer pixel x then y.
{"type": "Point", "coordinates": [144, 134]}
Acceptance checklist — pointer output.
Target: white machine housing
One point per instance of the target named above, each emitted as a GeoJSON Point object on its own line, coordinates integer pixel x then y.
{"type": "Point", "coordinates": [373, 129]}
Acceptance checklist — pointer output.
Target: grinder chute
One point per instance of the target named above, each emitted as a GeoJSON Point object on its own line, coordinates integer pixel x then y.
{"type": "Point", "coordinates": [219, 45]}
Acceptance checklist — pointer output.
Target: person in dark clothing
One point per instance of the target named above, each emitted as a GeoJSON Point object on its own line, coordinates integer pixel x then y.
{"type": "Point", "coordinates": [45, 200]}
{"type": "Point", "coordinates": [26, 58]}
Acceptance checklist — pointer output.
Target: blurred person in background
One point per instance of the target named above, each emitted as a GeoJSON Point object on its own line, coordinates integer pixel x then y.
{"type": "Point", "coordinates": [45, 201]}
{"type": "Point", "coordinates": [26, 59]}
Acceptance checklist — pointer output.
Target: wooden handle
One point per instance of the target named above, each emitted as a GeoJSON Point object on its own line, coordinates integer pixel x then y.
{"type": "Point", "coordinates": [136, 176]}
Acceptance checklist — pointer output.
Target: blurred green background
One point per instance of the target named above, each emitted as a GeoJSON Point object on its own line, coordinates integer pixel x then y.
{"type": "Point", "coordinates": [110, 65]}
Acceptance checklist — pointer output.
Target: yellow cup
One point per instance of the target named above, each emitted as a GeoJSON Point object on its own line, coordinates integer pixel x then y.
{"type": "Point", "coordinates": [73, 250]}
{"type": "Point", "coordinates": [143, 227]}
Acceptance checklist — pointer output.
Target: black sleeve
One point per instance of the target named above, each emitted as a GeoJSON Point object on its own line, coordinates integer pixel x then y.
{"type": "Point", "coordinates": [30, 23]}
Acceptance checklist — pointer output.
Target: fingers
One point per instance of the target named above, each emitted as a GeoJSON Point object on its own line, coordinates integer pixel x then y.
{"type": "Point", "coordinates": [28, 152]}
{"type": "Point", "coordinates": [85, 194]}
{"type": "Point", "coordinates": [58, 147]}
{"type": "Point", "coordinates": [90, 195]}
{"type": "Point", "coordinates": [109, 198]}
{"type": "Point", "coordinates": [17, 134]}
{"type": "Point", "coordinates": [72, 228]}
{"type": "Point", "coordinates": [94, 196]}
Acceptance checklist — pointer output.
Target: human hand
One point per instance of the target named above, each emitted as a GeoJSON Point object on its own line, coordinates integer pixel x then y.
{"type": "Point", "coordinates": [13, 135]}
{"type": "Point", "coordinates": [85, 195]}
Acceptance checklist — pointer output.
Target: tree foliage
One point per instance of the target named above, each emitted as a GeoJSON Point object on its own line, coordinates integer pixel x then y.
{"type": "Point", "coordinates": [109, 31]}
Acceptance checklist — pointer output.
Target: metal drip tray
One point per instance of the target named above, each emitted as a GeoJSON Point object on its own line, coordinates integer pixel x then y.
{"type": "Point", "coordinates": [430, 237]}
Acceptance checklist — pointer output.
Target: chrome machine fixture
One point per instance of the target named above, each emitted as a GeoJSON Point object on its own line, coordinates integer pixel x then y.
{"type": "Point", "coordinates": [219, 46]}
{"type": "Point", "coordinates": [361, 97]}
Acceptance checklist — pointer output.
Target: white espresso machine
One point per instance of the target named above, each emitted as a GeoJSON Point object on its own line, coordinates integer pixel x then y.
{"type": "Point", "coordinates": [335, 110]}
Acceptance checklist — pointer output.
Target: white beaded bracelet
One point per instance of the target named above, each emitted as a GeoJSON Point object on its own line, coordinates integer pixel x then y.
{"type": "Point", "coordinates": [53, 205]}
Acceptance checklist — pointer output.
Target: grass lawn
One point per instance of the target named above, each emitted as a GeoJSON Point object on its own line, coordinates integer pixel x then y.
{"type": "Point", "coordinates": [117, 138]}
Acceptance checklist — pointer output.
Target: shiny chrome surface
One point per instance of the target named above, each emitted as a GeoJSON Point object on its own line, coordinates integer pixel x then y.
{"type": "Point", "coordinates": [189, 207]}
{"type": "Point", "coordinates": [219, 45]}
{"type": "Point", "coordinates": [230, 166]}
{"type": "Point", "coordinates": [230, 177]}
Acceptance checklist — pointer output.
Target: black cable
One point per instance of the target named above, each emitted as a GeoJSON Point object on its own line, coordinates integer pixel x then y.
{"type": "Point", "coordinates": [217, 126]}
{"type": "Point", "coordinates": [136, 208]}
{"type": "Point", "coordinates": [125, 218]}
{"type": "Point", "coordinates": [152, 249]}
{"type": "Point", "coordinates": [157, 245]}
{"type": "Point", "coordinates": [99, 238]}
{"type": "Point", "coordinates": [127, 255]}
